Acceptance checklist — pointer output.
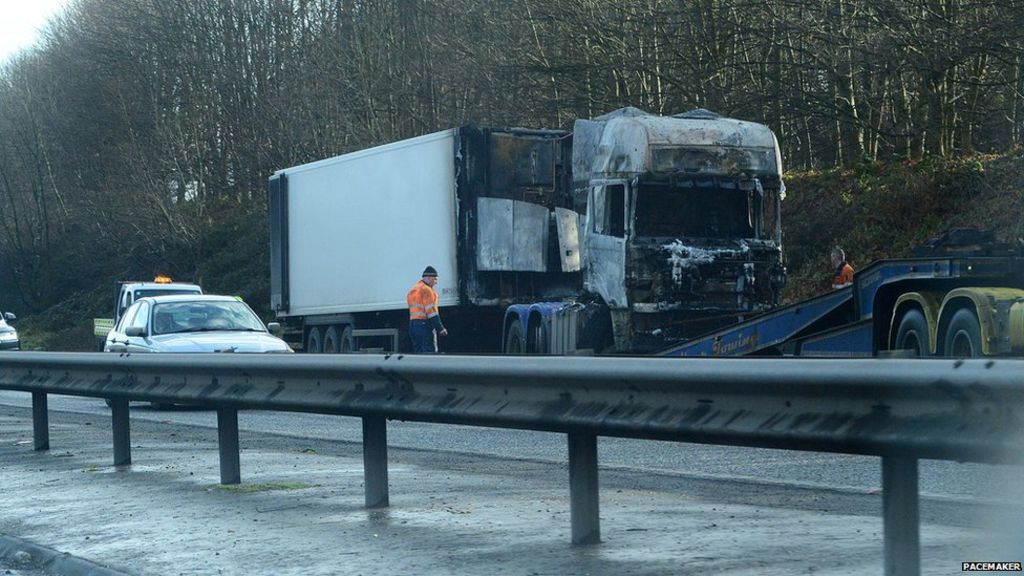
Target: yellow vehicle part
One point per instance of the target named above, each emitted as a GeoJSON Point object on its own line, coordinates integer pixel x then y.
{"type": "Point", "coordinates": [929, 303]}
{"type": "Point", "coordinates": [985, 301]}
{"type": "Point", "coordinates": [1017, 328]}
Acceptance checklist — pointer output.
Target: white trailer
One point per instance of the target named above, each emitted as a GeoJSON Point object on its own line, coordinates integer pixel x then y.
{"type": "Point", "coordinates": [362, 227]}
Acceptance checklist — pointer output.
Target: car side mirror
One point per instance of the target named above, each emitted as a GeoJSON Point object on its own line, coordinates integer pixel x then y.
{"type": "Point", "coordinates": [275, 329]}
{"type": "Point", "coordinates": [135, 331]}
{"type": "Point", "coordinates": [10, 317]}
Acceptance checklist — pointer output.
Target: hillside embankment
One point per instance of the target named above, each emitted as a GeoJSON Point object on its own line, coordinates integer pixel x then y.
{"type": "Point", "coordinates": [873, 211]}
{"type": "Point", "coordinates": [884, 210]}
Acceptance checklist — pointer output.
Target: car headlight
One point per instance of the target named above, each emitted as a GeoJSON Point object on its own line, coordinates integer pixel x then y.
{"type": "Point", "coordinates": [8, 336]}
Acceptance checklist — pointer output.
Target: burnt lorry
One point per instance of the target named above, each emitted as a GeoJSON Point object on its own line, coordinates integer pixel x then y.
{"type": "Point", "coordinates": [630, 233]}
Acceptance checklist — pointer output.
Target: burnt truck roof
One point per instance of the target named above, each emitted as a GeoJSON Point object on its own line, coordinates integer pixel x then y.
{"type": "Point", "coordinates": [621, 142]}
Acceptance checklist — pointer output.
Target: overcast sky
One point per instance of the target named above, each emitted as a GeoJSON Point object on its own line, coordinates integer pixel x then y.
{"type": "Point", "coordinates": [20, 21]}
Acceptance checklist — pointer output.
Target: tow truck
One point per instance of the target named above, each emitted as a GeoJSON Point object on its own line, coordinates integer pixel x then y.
{"type": "Point", "coordinates": [961, 296]}
{"type": "Point", "coordinates": [128, 291]}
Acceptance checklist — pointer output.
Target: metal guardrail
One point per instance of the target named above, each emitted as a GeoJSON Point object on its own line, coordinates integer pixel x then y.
{"type": "Point", "coordinates": [900, 410]}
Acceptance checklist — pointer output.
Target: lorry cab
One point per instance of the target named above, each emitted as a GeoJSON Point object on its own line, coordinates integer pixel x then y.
{"type": "Point", "coordinates": [683, 229]}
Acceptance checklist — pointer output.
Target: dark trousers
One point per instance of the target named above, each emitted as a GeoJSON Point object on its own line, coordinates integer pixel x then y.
{"type": "Point", "coordinates": [422, 336]}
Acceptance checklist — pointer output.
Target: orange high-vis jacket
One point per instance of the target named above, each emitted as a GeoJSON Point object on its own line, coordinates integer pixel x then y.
{"type": "Point", "coordinates": [843, 277]}
{"type": "Point", "coordinates": [422, 302]}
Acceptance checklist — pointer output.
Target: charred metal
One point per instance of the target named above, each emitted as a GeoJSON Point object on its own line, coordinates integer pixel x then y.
{"type": "Point", "coordinates": [666, 226]}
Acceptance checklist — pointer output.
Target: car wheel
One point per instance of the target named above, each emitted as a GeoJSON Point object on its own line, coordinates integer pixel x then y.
{"type": "Point", "coordinates": [912, 334]}
{"type": "Point", "coordinates": [963, 336]}
{"type": "Point", "coordinates": [313, 341]}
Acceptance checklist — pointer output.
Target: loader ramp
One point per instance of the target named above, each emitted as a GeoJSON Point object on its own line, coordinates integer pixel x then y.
{"type": "Point", "coordinates": [768, 333]}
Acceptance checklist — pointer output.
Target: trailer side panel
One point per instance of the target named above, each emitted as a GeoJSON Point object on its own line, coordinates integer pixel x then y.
{"type": "Point", "coordinates": [363, 226]}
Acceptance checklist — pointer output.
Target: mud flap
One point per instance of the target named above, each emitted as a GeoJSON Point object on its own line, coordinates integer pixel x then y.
{"type": "Point", "coordinates": [622, 328]}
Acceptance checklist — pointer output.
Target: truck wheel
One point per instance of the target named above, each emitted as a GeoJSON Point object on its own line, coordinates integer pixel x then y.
{"type": "Point", "coordinates": [313, 345]}
{"type": "Point", "coordinates": [346, 344]}
{"type": "Point", "coordinates": [912, 334]}
{"type": "Point", "coordinates": [515, 340]}
{"type": "Point", "coordinates": [963, 337]}
{"type": "Point", "coordinates": [538, 340]}
{"type": "Point", "coordinates": [330, 343]}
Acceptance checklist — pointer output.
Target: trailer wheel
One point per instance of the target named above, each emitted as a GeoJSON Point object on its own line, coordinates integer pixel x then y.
{"type": "Point", "coordinates": [330, 343]}
{"type": "Point", "coordinates": [963, 337]}
{"type": "Point", "coordinates": [313, 341]}
{"type": "Point", "coordinates": [913, 333]}
{"type": "Point", "coordinates": [515, 340]}
{"type": "Point", "coordinates": [346, 344]}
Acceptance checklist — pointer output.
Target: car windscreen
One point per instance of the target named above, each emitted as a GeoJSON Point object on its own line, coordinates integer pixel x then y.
{"type": "Point", "coordinates": [175, 317]}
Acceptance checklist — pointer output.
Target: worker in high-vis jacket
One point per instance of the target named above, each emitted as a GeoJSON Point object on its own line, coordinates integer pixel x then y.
{"type": "Point", "coordinates": [424, 319]}
{"type": "Point", "coordinates": [843, 275]}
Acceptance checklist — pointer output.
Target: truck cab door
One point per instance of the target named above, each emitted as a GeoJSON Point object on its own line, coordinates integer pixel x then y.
{"type": "Point", "coordinates": [124, 300]}
{"type": "Point", "coordinates": [607, 226]}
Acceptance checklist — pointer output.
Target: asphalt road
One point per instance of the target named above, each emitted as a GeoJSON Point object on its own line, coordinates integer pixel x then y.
{"type": "Point", "coordinates": [941, 479]}
{"type": "Point", "coordinates": [463, 501]}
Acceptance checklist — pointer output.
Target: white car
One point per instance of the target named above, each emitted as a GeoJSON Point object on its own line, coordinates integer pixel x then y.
{"type": "Point", "coordinates": [188, 323]}
{"type": "Point", "coordinates": [8, 335]}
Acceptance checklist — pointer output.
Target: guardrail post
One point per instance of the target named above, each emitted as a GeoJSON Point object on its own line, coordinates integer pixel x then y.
{"type": "Point", "coordinates": [40, 421]}
{"type": "Point", "coordinates": [900, 516]}
{"type": "Point", "coordinates": [122, 432]}
{"type": "Point", "coordinates": [227, 438]}
{"type": "Point", "coordinates": [375, 461]}
{"type": "Point", "coordinates": [583, 490]}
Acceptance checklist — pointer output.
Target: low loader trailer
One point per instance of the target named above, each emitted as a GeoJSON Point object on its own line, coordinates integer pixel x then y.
{"type": "Point", "coordinates": [961, 296]}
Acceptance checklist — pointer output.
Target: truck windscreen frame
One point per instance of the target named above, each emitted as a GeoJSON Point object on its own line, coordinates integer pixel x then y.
{"type": "Point", "coordinates": [696, 208]}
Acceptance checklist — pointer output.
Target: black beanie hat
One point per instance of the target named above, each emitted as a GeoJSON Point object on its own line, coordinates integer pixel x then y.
{"type": "Point", "coordinates": [430, 272]}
